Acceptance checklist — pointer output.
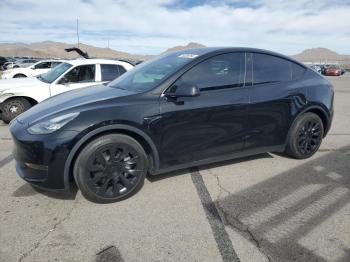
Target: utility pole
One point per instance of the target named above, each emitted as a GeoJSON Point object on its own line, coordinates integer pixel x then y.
{"type": "Point", "coordinates": [78, 31]}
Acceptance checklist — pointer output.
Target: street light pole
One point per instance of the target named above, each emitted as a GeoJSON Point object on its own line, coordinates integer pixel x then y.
{"type": "Point", "coordinates": [78, 31]}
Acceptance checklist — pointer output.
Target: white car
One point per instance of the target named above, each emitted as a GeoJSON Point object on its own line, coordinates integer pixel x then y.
{"type": "Point", "coordinates": [19, 94]}
{"type": "Point", "coordinates": [36, 69]}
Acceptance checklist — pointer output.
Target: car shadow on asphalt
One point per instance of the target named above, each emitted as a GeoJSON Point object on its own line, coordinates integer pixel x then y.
{"type": "Point", "coordinates": [29, 190]}
{"type": "Point", "coordinates": [286, 215]}
{"type": "Point", "coordinates": [186, 171]}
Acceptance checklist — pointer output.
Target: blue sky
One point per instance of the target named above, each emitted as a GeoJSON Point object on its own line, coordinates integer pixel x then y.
{"type": "Point", "coordinates": [151, 26]}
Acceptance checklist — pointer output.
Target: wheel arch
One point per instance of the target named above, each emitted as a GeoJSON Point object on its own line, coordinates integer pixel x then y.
{"type": "Point", "coordinates": [31, 100]}
{"type": "Point", "coordinates": [318, 110]}
{"type": "Point", "coordinates": [140, 136]}
{"type": "Point", "coordinates": [19, 74]}
{"type": "Point", "coordinates": [322, 114]}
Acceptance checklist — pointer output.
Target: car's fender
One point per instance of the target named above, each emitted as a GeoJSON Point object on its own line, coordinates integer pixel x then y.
{"type": "Point", "coordinates": [100, 130]}
{"type": "Point", "coordinates": [37, 95]}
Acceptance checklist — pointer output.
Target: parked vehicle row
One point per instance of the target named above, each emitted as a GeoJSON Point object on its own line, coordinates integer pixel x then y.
{"type": "Point", "coordinates": [36, 69]}
{"type": "Point", "coordinates": [9, 63]}
{"type": "Point", "coordinates": [181, 109]}
{"type": "Point", "coordinates": [328, 69]}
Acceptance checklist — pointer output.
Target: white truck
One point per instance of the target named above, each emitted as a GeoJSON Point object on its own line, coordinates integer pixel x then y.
{"type": "Point", "coordinates": [19, 94]}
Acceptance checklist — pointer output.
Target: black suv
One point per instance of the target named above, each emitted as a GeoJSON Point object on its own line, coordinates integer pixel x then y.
{"type": "Point", "coordinates": [179, 110]}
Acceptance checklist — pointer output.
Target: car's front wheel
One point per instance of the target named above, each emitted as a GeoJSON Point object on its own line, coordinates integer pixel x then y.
{"type": "Point", "coordinates": [14, 107]}
{"type": "Point", "coordinates": [110, 168]}
{"type": "Point", "coordinates": [305, 136]}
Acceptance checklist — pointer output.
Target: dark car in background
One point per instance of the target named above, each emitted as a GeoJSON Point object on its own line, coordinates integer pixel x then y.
{"type": "Point", "coordinates": [179, 110]}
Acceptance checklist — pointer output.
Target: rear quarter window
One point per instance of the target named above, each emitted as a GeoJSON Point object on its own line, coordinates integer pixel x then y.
{"type": "Point", "coordinates": [297, 71]}
{"type": "Point", "coordinates": [111, 72]}
{"type": "Point", "coordinates": [270, 69]}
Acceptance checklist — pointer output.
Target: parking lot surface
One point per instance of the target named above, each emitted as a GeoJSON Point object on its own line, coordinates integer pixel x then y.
{"type": "Point", "coordinates": [263, 208]}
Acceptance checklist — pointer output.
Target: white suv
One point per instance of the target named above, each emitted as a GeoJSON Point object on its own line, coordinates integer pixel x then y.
{"type": "Point", "coordinates": [33, 70]}
{"type": "Point", "coordinates": [19, 94]}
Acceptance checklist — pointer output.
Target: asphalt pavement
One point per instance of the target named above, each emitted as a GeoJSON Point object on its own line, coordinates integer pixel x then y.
{"type": "Point", "coordinates": [261, 208]}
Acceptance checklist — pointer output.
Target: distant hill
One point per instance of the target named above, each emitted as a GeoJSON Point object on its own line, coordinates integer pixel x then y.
{"type": "Point", "coordinates": [49, 49]}
{"type": "Point", "coordinates": [321, 55]}
{"type": "Point", "coordinates": [184, 47]}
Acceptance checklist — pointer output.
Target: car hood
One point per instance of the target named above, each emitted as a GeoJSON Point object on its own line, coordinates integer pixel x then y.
{"type": "Point", "coordinates": [71, 101]}
{"type": "Point", "coordinates": [26, 82]}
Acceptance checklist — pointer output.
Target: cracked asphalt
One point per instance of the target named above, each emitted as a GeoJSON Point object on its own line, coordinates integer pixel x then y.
{"type": "Point", "coordinates": [261, 208]}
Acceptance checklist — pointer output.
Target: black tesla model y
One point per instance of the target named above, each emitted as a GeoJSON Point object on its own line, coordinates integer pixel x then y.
{"type": "Point", "coordinates": [181, 109]}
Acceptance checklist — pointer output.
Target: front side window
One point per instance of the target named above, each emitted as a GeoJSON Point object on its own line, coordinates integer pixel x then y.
{"type": "Point", "coordinates": [111, 72]}
{"type": "Point", "coordinates": [81, 74]}
{"type": "Point", "coordinates": [219, 72]}
{"type": "Point", "coordinates": [270, 69]}
{"type": "Point", "coordinates": [150, 74]}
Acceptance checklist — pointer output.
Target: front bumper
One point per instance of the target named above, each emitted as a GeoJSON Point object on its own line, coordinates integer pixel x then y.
{"type": "Point", "coordinates": [40, 159]}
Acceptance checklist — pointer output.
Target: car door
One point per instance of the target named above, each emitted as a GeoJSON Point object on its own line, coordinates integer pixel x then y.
{"type": "Point", "coordinates": [274, 94]}
{"type": "Point", "coordinates": [211, 124]}
{"type": "Point", "coordinates": [77, 77]}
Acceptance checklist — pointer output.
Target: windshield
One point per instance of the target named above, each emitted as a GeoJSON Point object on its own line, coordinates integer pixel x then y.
{"type": "Point", "coordinates": [149, 74]}
{"type": "Point", "coordinates": [54, 73]}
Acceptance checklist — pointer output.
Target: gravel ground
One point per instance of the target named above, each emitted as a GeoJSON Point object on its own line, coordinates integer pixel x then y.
{"type": "Point", "coordinates": [262, 208]}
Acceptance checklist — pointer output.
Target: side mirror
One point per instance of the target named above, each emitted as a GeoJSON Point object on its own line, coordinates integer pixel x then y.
{"type": "Point", "coordinates": [64, 81]}
{"type": "Point", "coordinates": [184, 91]}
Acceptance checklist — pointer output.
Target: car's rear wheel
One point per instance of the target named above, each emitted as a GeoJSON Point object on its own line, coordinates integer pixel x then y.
{"type": "Point", "coordinates": [19, 76]}
{"type": "Point", "coordinates": [14, 107]}
{"type": "Point", "coordinates": [110, 168]}
{"type": "Point", "coordinates": [305, 136]}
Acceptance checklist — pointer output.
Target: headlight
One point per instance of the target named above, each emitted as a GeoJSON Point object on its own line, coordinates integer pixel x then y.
{"type": "Point", "coordinates": [51, 125]}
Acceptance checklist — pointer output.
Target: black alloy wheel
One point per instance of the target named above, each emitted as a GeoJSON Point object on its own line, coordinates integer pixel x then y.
{"type": "Point", "coordinates": [305, 136]}
{"type": "Point", "coordinates": [309, 137]}
{"type": "Point", "coordinates": [111, 168]}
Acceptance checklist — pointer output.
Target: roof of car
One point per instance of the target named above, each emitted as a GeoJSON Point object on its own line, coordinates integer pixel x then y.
{"type": "Point", "coordinates": [207, 50]}
{"type": "Point", "coordinates": [52, 60]}
{"type": "Point", "coordinates": [95, 61]}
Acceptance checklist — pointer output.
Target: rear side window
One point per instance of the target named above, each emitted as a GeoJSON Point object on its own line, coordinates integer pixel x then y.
{"type": "Point", "coordinates": [219, 72]}
{"type": "Point", "coordinates": [111, 72]}
{"type": "Point", "coordinates": [297, 71]}
{"type": "Point", "coordinates": [270, 69]}
{"type": "Point", "coordinates": [43, 65]}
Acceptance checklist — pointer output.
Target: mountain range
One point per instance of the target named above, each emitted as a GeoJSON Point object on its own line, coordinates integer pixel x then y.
{"type": "Point", "coordinates": [50, 49]}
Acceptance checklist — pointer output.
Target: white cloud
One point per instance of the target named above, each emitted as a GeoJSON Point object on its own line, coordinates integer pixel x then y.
{"type": "Point", "coordinates": [141, 26]}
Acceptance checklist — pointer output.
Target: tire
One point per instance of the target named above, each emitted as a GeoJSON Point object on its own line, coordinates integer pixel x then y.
{"type": "Point", "coordinates": [19, 76]}
{"type": "Point", "coordinates": [110, 168]}
{"type": "Point", "coordinates": [305, 136]}
{"type": "Point", "coordinates": [13, 107]}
